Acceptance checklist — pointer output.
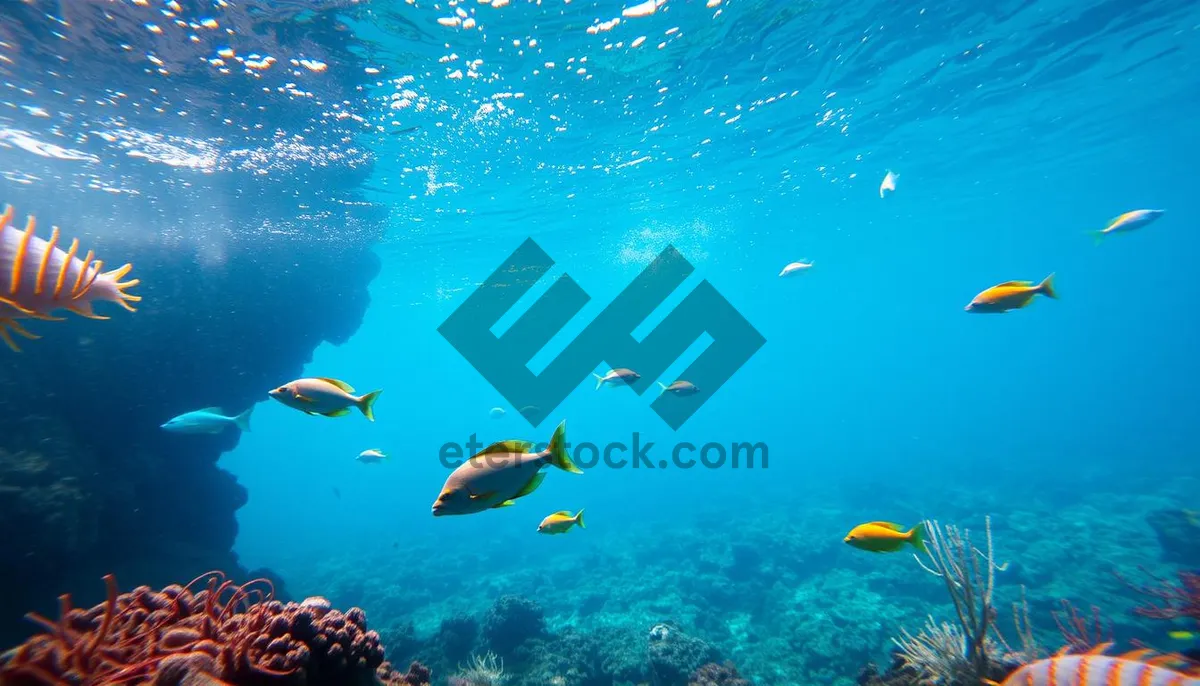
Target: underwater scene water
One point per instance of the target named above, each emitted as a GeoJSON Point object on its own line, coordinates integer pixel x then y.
{"type": "Point", "coordinates": [812, 343]}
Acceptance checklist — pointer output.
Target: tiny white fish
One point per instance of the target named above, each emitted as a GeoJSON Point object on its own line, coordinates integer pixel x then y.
{"type": "Point", "coordinates": [497, 412]}
{"type": "Point", "coordinates": [371, 456]}
{"type": "Point", "coordinates": [796, 267]}
{"type": "Point", "coordinates": [210, 420]}
{"type": "Point", "coordinates": [889, 183]}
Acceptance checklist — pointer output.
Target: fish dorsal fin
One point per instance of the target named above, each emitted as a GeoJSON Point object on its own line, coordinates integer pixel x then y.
{"type": "Point", "coordinates": [889, 525]}
{"type": "Point", "coordinates": [340, 384]}
{"type": "Point", "coordinates": [532, 485]}
{"type": "Point", "coordinates": [562, 513]}
{"type": "Point", "coordinates": [513, 446]}
{"type": "Point", "coordinates": [1015, 284]}
{"type": "Point", "coordinates": [212, 410]}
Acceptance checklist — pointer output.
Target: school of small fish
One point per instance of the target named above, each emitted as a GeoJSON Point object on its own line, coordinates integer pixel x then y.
{"type": "Point", "coordinates": [1011, 295]}
{"type": "Point", "coordinates": [37, 278]}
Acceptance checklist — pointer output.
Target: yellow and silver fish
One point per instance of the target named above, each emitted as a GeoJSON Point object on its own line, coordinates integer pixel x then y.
{"type": "Point", "coordinates": [1130, 221]}
{"type": "Point", "coordinates": [325, 396]}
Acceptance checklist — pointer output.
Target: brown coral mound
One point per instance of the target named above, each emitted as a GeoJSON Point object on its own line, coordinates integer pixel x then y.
{"type": "Point", "coordinates": [713, 674]}
{"type": "Point", "coordinates": [223, 633]}
{"type": "Point", "coordinates": [417, 675]}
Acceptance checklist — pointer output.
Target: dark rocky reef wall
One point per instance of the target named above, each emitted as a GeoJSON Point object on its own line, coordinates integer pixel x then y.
{"type": "Point", "coordinates": [238, 205]}
{"type": "Point", "coordinates": [89, 484]}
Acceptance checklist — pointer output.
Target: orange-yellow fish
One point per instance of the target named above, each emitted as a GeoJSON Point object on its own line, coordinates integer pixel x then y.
{"type": "Point", "coordinates": [561, 522]}
{"type": "Point", "coordinates": [885, 537]}
{"type": "Point", "coordinates": [1011, 295]}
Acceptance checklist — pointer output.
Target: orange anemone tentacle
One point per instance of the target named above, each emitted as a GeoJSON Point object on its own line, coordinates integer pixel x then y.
{"type": "Point", "coordinates": [66, 267]}
{"type": "Point", "coordinates": [110, 611]}
{"type": "Point", "coordinates": [82, 272]}
{"type": "Point", "coordinates": [8, 339]}
{"type": "Point", "coordinates": [12, 323]}
{"type": "Point", "coordinates": [40, 284]}
{"type": "Point", "coordinates": [6, 217]}
{"type": "Point", "coordinates": [19, 258]}
{"type": "Point", "coordinates": [83, 291]}
{"type": "Point", "coordinates": [86, 312]}
{"type": "Point", "coordinates": [127, 298]}
{"type": "Point", "coordinates": [18, 307]}
{"type": "Point", "coordinates": [119, 272]}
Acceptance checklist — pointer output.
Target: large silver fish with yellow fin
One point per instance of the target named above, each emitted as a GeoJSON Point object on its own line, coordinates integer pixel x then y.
{"type": "Point", "coordinates": [500, 474]}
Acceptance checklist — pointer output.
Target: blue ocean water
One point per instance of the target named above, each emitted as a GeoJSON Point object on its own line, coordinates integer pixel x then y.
{"type": "Point", "coordinates": [747, 134]}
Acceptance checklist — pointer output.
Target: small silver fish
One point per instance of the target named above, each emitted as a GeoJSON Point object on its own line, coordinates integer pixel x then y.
{"type": "Point", "coordinates": [680, 388]}
{"type": "Point", "coordinates": [617, 377]}
{"type": "Point", "coordinates": [210, 420]}
{"type": "Point", "coordinates": [371, 456]}
{"type": "Point", "coordinates": [889, 183]}
{"type": "Point", "coordinates": [796, 267]}
{"type": "Point", "coordinates": [497, 412]}
{"type": "Point", "coordinates": [1130, 221]}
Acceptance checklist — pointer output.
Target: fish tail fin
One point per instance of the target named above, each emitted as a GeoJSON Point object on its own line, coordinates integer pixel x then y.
{"type": "Point", "coordinates": [916, 536]}
{"type": "Point", "coordinates": [558, 450]}
{"type": "Point", "coordinates": [243, 420]}
{"type": "Point", "coordinates": [1046, 287]}
{"type": "Point", "coordinates": [579, 519]}
{"type": "Point", "coordinates": [599, 380]}
{"type": "Point", "coordinates": [662, 386]}
{"type": "Point", "coordinates": [1097, 236]}
{"type": "Point", "coordinates": [367, 404]}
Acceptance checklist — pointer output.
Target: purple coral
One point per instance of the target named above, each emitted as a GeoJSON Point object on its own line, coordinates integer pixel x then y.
{"type": "Point", "coordinates": [713, 674]}
{"type": "Point", "coordinates": [1171, 600]}
{"type": "Point", "coordinates": [417, 675]}
{"type": "Point", "coordinates": [226, 631]}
